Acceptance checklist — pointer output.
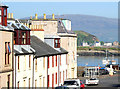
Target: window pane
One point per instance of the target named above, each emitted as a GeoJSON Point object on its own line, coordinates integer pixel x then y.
{"type": "Point", "coordinates": [0, 12]}
{"type": "Point", "coordinates": [0, 19]}
{"type": "Point", "coordinates": [5, 12]}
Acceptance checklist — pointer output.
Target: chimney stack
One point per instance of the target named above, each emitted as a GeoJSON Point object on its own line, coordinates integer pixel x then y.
{"type": "Point", "coordinates": [53, 16]}
{"type": "Point", "coordinates": [30, 17]}
{"type": "Point", "coordinates": [44, 16]}
{"type": "Point", "coordinates": [12, 15]}
{"type": "Point", "coordinates": [36, 17]}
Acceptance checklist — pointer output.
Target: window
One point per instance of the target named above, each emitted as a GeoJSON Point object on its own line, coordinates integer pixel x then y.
{"type": "Point", "coordinates": [56, 77]}
{"type": "Point", "coordinates": [7, 52]}
{"type": "Point", "coordinates": [66, 74]}
{"type": "Point", "coordinates": [48, 81]}
{"type": "Point", "coordinates": [66, 58]}
{"type": "Point", "coordinates": [57, 43]}
{"type": "Point", "coordinates": [0, 12]}
{"type": "Point", "coordinates": [44, 62]}
{"type": "Point", "coordinates": [0, 15]}
{"type": "Point", "coordinates": [8, 83]}
{"type": "Point", "coordinates": [36, 64]}
{"type": "Point", "coordinates": [63, 75]}
{"type": "Point", "coordinates": [18, 84]}
{"type": "Point", "coordinates": [52, 81]}
{"type": "Point", "coordinates": [52, 61]}
{"type": "Point", "coordinates": [24, 37]}
{"type": "Point", "coordinates": [29, 61]}
{"type": "Point", "coordinates": [60, 59]}
{"type": "Point", "coordinates": [29, 83]}
{"type": "Point", "coordinates": [18, 63]}
{"type": "Point", "coordinates": [0, 19]}
{"type": "Point", "coordinates": [56, 60]}
{"type": "Point", "coordinates": [60, 77]}
{"type": "Point", "coordinates": [21, 37]}
{"type": "Point", "coordinates": [4, 12]}
{"type": "Point", "coordinates": [48, 63]}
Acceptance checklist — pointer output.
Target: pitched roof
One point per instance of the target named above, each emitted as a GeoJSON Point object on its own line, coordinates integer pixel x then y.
{"type": "Point", "coordinates": [24, 51]}
{"type": "Point", "coordinates": [43, 49]}
{"type": "Point", "coordinates": [62, 29]}
{"type": "Point", "coordinates": [1, 4]}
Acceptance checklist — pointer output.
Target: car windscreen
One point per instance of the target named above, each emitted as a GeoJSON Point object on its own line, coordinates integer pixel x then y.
{"type": "Point", "coordinates": [93, 79]}
{"type": "Point", "coordinates": [70, 83]}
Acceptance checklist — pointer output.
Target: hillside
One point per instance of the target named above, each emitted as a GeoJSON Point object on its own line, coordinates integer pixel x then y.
{"type": "Point", "coordinates": [86, 37]}
{"type": "Point", "coordinates": [106, 29]}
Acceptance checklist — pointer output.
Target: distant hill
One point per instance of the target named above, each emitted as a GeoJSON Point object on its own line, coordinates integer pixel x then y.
{"type": "Point", "coordinates": [86, 37]}
{"type": "Point", "coordinates": [106, 29]}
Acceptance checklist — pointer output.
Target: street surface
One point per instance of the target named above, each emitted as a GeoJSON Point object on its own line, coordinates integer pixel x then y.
{"type": "Point", "coordinates": [106, 82]}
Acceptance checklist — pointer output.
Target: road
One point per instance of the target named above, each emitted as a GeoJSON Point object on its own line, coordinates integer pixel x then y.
{"type": "Point", "coordinates": [106, 82]}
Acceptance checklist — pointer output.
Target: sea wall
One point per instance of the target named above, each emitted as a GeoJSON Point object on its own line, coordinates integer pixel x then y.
{"type": "Point", "coordinates": [97, 53]}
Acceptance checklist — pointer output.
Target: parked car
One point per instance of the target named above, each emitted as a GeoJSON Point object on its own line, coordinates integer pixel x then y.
{"type": "Point", "coordinates": [82, 86]}
{"type": "Point", "coordinates": [72, 83]}
{"type": "Point", "coordinates": [61, 87]}
{"type": "Point", "coordinates": [92, 81]}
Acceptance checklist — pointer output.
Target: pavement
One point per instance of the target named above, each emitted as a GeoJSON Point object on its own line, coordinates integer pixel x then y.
{"type": "Point", "coordinates": [105, 82]}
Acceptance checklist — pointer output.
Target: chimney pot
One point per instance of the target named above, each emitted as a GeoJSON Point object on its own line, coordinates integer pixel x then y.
{"type": "Point", "coordinates": [36, 16]}
{"type": "Point", "coordinates": [53, 16]}
{"type": "Point", "coordinates": [8, 15]}
{"type": "Point", "coordinates": [12, 15]}
{"type": "Point", "coordinates": [44, 16]}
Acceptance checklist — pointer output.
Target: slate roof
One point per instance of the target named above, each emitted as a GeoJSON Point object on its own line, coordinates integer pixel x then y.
{"type": "Point", "coordinates": [62, 29]}
{"type": "Point", "coordinates": [7, 28]}
{"type": "Point", "coordinates": [43, 49]}
{"type": "Point", "coordinates": [18, 26]}
{"type": "Point", "coordinates": [1, 4]}
{"type": "Point", "coordinates": [24, 51]}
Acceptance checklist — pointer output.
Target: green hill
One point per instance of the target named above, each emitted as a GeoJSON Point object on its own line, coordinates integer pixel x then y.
{"type": "Point", "coordinates": [86, 37]}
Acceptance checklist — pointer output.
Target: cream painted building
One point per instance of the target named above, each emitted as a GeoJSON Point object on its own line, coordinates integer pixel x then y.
{"type": "Point", "coordinates": [6, 50]}
{"type": "Point", "coordinates": [68, 39]}
{"type": "Point", "coordinates": [23, 55]}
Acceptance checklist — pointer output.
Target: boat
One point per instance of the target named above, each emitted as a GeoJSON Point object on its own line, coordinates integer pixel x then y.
{"type": "Point", "coordinates": [108, 61]}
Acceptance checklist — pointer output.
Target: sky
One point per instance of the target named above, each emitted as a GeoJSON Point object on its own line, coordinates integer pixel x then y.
{"type": "Point", "coordinates": [29, 8]}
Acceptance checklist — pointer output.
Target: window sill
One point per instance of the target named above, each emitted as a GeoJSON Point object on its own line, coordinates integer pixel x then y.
{"type": "Point", "coordinates": [7, 65]}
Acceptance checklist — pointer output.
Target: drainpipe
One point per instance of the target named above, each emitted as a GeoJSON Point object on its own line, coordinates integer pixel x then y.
{"type": "Point", "coordinates": [58, 69]}
{"type": "Point", "coordinates": [15, 73]}
{"type": "Point", "coordinates": [47, 72]}
{"type": "Point", "coordinates": [33, 73]}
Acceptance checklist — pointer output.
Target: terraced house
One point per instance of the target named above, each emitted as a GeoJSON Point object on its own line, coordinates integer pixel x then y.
{"type": "Point", "coordinates": [6, 47]}
{"type": "Point", "coordinates": [68, 39]}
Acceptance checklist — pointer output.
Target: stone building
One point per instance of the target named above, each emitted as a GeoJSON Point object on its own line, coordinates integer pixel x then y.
{"type": "Point", "coordinates": [6, 47]}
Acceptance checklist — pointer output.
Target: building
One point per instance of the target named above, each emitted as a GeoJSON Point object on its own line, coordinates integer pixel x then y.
{"type": "Point", "coordinates": [97, 44]}
{"type": "Point", "coordinates": [69, 43]}
{"type": "Point", "coordinates": [107, 44]}
{"type": "Point", "coordinates": [23, 54]}
{"type": "Point", "coordinates": [115, 43]}
{"type": "Point", "coordinates": [85, 44]}
{"type": "Point", "coordinates": [67, 39]}
{"type": "Point", "coordinates": [6, 47]}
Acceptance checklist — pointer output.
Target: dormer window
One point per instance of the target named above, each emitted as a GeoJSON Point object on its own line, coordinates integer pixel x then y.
{"type": "Point", "coordinates": [57, 42]}
{"type": "Point", "coordinates": [21, 37]}
{"type": "Point", "coordinates": [0, 15]}
{"type": "Point", "coordinates": [4, 12]}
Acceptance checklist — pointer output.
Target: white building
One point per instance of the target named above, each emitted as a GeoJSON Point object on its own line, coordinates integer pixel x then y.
{"type": "Point", "coordinates": [97, 44]}
{"type": "Point", "coordinates": [108, 44]}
